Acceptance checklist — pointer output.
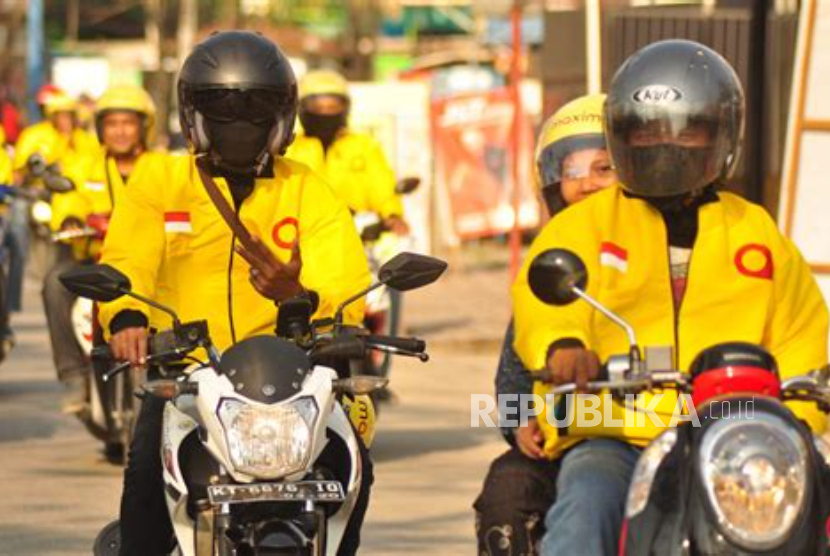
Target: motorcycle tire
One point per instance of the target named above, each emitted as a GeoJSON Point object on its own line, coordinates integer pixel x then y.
{"type": "Point", "coordinates": [108, 541]}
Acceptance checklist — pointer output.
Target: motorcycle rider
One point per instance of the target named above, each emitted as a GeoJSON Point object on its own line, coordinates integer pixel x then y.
{"type": "Point", "coordinates": [353, 163]}
{"type": "Point", "coordinates": [238, 102]}
{"type": "Point", "coordinates": [56, 137]}
{"type": "Point", "coordinates": [572, 162]}
{"type": "Point", "coordinates": [125, 123]}
{"type": "Point", "coordinates": [683, 261]}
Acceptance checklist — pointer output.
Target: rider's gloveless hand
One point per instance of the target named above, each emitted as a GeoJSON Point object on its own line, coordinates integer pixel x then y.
{"type": "Point", "coordinates": [130, 344]}
{"type": "Point", "coordinates": [271, 277]}
{"type": "Point", "coordinates": [573, 365]}
{"type": "Point", "coordinates": [530, 440]}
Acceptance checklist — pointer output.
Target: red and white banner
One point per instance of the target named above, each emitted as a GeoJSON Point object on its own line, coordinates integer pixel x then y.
{"type": "Point", "coordinates": [472, 144]}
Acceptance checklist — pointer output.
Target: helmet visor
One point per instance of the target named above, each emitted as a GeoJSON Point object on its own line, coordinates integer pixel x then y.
{"type": "Point", "coordinates": [669, 155]}
{"type": "Point", "coordinates": [257, 106]}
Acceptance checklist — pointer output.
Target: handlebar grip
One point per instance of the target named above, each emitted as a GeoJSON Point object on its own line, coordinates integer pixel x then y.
{"type": "Point", "coordinates": [415, 345]}
{"type": "Point", "coordinates": [602, 376]}
{"type": "Point", "coordinates": [102, 352]}
{"type": "Point", "coordinates": [351, 348]}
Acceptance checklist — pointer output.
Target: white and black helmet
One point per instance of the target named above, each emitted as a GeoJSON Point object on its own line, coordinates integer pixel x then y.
{"type": "Point", "coordinates": [657, 99]}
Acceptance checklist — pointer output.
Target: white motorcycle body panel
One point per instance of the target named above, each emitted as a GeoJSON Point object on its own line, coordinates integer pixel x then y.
{"type": "Point", "coordinates": [188, 412]}
{"type": "Point", "coordinates": [82, 323]}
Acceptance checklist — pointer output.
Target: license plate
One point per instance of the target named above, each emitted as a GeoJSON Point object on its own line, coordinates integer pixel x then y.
{"type": "Point", "coordinates": [315, 491]}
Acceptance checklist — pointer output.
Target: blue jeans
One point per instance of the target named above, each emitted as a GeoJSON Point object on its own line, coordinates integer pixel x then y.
{"type": "Point", "coordinates": [590, 503]}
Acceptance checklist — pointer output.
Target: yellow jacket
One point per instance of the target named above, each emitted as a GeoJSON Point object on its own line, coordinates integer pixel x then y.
{"type": "Point", "coordinates": [356, 169]}
{"type": "Point", "coordinates": [43, 138]}
{"type": "Point", "coordinates": [170, 240]}
{"type": "Point", "coordinates": [98, 184]}
{"type": "Point", "coordinates": [732, 294]}
{"type": "Point", "coordinates": [5, 167]}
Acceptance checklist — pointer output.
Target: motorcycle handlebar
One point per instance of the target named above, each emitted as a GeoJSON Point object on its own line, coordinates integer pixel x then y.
{"type": "Point", "coordinates": [343, 347]}
{"type": "Point", "coordinates": [414, 345]}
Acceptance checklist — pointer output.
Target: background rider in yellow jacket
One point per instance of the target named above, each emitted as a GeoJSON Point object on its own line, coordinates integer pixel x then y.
{"type": "Point", "coordinates": [686, 264]}
{"type": "Point", "coordinates": [125, 123]}
{"type": "Point", "coordinates": [54, 139]}
{"type": "Point", "coordinates": [237, 101]}
{"type": "Point", "coordinates": [352, 163]}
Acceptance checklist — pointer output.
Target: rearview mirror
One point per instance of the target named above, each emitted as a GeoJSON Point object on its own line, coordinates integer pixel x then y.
{"type": "Point", "coordinates": [408, 271]}
{"type": "Point", "coordinates": [554, 274]}
{"type": "Point", "coordinates": [57, 183]}
{"type": "Point", "coordinates": [407, 185]}
{"type": "Point", "coordinates": [99, 282]}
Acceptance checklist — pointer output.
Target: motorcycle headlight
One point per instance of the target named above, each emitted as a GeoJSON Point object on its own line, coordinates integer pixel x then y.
{"type": "Point", "coordinates": [645, 470]}
{"type": "Point", "coordinates": [269, 441]}
{"type": "Point", "coordinates": [42, 212]}
{"type": "Point", "coordinates": [755, 476]}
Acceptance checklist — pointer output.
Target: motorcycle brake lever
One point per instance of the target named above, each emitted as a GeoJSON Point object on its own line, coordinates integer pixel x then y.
{"type": "Point", "coordinates": [422, 356]}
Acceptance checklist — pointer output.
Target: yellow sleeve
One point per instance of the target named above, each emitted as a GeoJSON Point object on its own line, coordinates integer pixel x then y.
{"type": "Point", "coordinates": [797, 331]}
{"type": "Point", "coordinates": [75, 203]}
{"type": "Point", "coordinates": [140, 208]}
{"type": "Point", "coordinates": [381, 182]}
{"type": "Point", "coordinates": [537, 324]}
{"type": "Point", "coordinates": [334, 263]}
{"type": "Point", "coordinates": [27, 144]}
{"type": "Point", "coordinates": [5, 167]}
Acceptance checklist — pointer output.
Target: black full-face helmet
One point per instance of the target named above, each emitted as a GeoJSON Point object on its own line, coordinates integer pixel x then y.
{"type": "Point", "coordinates": [238, 100]}
{"type": "Point", "coordinates": [674, 119]}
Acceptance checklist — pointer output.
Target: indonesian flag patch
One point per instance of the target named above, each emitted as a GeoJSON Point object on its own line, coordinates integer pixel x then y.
{"type": "Point", "coordinates": [177, 222]}
{"type": "Point", "coordinates": [611, 254]}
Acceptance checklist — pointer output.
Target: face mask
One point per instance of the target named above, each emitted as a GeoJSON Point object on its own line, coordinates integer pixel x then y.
{"type": "Point", "coordinates": [667, 170]}
{"type": "Point", "coordinates": [237, 144]}
{"type": "Point", "coordinates": [322, 126]}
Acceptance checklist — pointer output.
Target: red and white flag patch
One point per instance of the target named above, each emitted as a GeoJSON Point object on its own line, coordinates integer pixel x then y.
{"type": "Point", "coordinates": [177, 222]}
{"type": "Point", "coordinates": [611, 254]}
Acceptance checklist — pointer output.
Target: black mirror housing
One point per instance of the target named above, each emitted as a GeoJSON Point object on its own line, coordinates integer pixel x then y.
{"type": "Point", "coordinates": [554, 274]}
{"type": "Point", "coordinates": [99, 282]}
{"type": "Point", "coordinates": [407, 185]}
{"type": "Point", "coordinates": [408, 271]}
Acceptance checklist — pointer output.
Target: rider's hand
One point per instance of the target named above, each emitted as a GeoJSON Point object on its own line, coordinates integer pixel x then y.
{"type": "Point", "coordinates": [530, 440]}
{"type": "Point", "coordinates": [396, 225]}
{"type": "Point", "coordinates": [271, 277]}
{"type": "Point", "coordinates": [574, 364]}
{"type": "Point", "coordinates": [130, 344]}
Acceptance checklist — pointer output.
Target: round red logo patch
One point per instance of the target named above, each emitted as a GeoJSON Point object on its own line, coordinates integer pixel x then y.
{"type": "Point", "coordinates": [285, 232]}
{"type": "Point", "coordinates": [754, 260]}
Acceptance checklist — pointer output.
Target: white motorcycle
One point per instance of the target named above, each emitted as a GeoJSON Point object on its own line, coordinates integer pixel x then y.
{"type": "Point", "coordinates": [113, 409]}
{"type": "Point", "coordinates": [258, 454]}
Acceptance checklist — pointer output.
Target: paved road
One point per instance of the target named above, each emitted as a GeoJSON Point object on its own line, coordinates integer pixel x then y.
{"type": "Point", "coordinates": [58, 490]}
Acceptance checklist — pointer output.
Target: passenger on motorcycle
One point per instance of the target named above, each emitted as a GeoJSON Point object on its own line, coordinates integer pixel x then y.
{"type": "Point", "coordinates": [56, 137]}
{"type": "Point", "coordinates": [353, 163]}
{"type": "Point", "coordinates": [125, 123]}
{"type": "Point", "coordinates": [686, 263]}
{"type": "Point", "coordinates": [571, 163]}
{"type": "Point", "coordinates": [238, 102]}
